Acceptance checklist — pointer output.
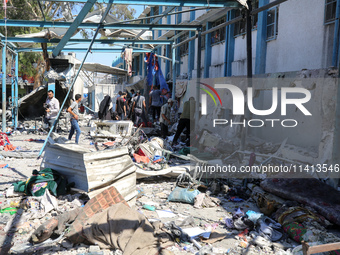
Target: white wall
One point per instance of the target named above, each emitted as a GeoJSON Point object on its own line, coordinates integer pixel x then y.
{"type": "Point", "coordinates": [185, 15]}
{"type": "Point", "coordinates": [239, 65]}
{"type": "Point", "coordinates": [301, 39]}
{"type": "Point", "coordinates": [184, 66]}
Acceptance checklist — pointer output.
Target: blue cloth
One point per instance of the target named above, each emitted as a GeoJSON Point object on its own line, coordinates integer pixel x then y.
{"type": "Point", "coordinates": [159, 77]}
{"type": "Point", "coordinates": [74, 127]}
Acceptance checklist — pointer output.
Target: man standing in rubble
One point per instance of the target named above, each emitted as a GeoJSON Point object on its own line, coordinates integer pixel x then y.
{"type": "Point", "coordinates": [74, 114]}
{"type": "Point", "coordinates": [165, 118]}
{"type": "Point", "coordinates": [121, 106]}
{"type": "Point", "coordinates": [137, 107]}
{"type": "Point", "coordinates": [51, 108]}
{"type": "Point", "coordinates": [186, 120]}
{"type": "Point", "coordinates": [155, 103]}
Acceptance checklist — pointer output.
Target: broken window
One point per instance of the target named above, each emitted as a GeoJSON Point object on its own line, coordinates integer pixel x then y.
{"type": "Point", "coordinates": [272, 23]}
{"type": "Point", "coordinates": [330, 11]}
{"type": "Point", "coordinates": [219, 34]}
{"type": "Point", "coordinates": [184, 48]}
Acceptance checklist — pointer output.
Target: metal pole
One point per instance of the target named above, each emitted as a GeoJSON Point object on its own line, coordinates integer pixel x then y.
{"type": "Point", "coordinates": [249, 72]}
{"type": "Point", "coordinates": [173, 71]}
{"type": "Point", "coordinates": [4, 89]}
{"type": "Point", "coordinates": [16, 89]}
{"type": "Point", "coordinates": [75, 78]}
{"type": "Point", "coordinates": [198, 75]}
{"type": "Point", "coordinates": [12, 100]}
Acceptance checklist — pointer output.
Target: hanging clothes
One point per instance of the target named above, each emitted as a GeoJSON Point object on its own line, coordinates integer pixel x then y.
{"type": "Point", "coordinates": [154, 71]}
{"type": "Point", "coordinates": [105, 106]}
{"type": "Point", "coordinates": [128, 59]}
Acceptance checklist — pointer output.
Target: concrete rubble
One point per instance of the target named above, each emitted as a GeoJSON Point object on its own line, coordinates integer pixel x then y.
{"type": "Point", "coordinates": [202, 215]}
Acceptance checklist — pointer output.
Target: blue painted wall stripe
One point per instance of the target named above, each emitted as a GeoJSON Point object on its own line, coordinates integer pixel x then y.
{"type": "Point", "coordinates": [191, 57]}
{"type": "Point", "coordinates": [229, 45]}
{"type": "Point", "coordinates": [160, 21]}
{"type": "Point", "coordinates": [207, 52]}
{"type": "Point", "coordinates": [261, 40]}
{"type": "Point", "coordinates": [178, 56]}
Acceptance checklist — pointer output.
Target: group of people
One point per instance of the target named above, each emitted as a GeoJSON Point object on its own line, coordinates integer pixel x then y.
{"type": "Point", "coordinates": [128, 106]}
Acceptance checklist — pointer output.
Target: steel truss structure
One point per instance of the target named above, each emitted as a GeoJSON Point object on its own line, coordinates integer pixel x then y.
{"type": "Point", "coordinates": [8, 43]}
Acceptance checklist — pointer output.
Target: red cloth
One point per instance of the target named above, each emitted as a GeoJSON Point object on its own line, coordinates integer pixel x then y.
{"type": "Point", "coordinates": [4, 139]}
{"type": "Point", "coordinates": [140, 159]}
{"type": "Point", "coordinates": [9, 147]}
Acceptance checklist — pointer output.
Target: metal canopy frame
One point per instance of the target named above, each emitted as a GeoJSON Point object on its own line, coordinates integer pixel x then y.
{"type": "Point", "coordinates": [78, 24]}
{"type": "Point", "coordinates": [178, 3]}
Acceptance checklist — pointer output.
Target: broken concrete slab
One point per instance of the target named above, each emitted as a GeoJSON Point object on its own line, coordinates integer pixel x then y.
{"type": "Point", "coordinates": [111, 129]}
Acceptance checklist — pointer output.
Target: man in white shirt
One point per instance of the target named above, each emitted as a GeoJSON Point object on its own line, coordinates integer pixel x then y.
{"type": "Point", "coordinates": [51, 108]}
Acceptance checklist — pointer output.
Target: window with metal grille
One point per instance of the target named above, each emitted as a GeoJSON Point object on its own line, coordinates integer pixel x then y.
{"type": "Point", "coordinates": [184, 48]}
{"type": "Point", "coordinates": [330, 11]}
{"type": "Point", "coordinates": [272, 23]}
{"type": "Point", "coordinates": [240, 26]}
{"type": "Point", "coordinates": [203, 39]}
{"type": "Point", "coordinates": [218, 35]}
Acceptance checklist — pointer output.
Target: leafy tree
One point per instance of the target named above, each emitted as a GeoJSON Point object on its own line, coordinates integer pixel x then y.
{"type": "Point", "coordinates": [30, 10]}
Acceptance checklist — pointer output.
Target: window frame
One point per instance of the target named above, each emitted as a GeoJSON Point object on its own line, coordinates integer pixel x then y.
{"type": "Point", "coordinates": [204, 28]}
{"type": "Point", "coordinates": [329, 21]}
{"type": "Point", "coordinates": [221, 31]}
{"type": "Point", "coordinates": [274, 23]}
{"type": "Point", "coordinates": [242, 24]}
{"type": "Point", "coordinates": [184, 46]}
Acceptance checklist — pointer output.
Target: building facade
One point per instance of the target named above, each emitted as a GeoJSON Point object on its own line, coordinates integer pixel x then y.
{"type": "Point", "coordinates": [292, 36]}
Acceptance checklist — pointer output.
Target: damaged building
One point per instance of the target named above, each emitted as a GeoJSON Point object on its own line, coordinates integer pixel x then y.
{"type": "Point", "coordinates": [251, 85]}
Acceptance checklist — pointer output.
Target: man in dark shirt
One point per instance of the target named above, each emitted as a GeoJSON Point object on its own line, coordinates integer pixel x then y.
{"type": "Point", "coordinates": [121, 107]}
{"type": "Point", "coordinates": [137, 107]}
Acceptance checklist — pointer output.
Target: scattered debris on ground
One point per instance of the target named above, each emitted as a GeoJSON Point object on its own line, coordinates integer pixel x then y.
{"type": "Point", "coordinates": [124, 191]}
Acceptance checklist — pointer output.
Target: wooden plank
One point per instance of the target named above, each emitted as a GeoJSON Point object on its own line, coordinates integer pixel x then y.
{"type": "Point", "coordinates": [324, 248]}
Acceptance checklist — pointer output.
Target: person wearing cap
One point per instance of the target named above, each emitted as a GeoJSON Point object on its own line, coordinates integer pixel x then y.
{"type": "Point", "coordinates": [165, 117]}
{"type": "Point", "coordinates": [137, 107]}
